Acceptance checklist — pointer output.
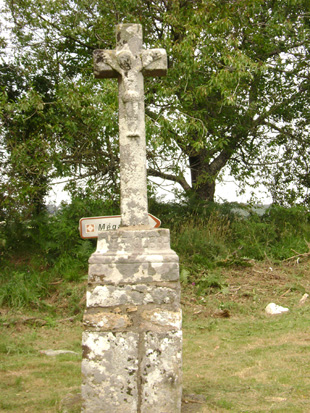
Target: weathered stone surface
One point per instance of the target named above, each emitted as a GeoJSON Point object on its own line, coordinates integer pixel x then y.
{"type": "Point", "coordinates": [131, 243]}
{"type": "Point", "coordinates": [125, 258]}
{"type": "Point", "coordinates": [109, 296]}
{"type": "Point", "coordinates": [125, 63]}
{"type": "Point", "coordinates": [161, 373]}
{"type": "Point", "coordinates": [163, 318]}
{"type": "Point", "coordinates": [151, 67]}
{"type": "Point", "coordinates": [154, 62]}
{"type": "Point", "coordinates": [133, 272]}
{"type": "Point", "coordinates": [109, 368]}
{"type": "Point", "coordinates": [106, 321]}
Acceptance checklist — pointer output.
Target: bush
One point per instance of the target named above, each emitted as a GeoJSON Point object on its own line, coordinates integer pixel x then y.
{"type": "Point", "coordinates": [24, 288]}
{"type": "Point", "coordinates": [44, 249]}
{"type": "Point", "coordinates": [277, 234]}
{"type": "Point", "coordinates": [202, 243]}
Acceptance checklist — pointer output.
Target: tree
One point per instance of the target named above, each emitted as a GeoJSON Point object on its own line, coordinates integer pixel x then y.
{"type": "Point", "coordinates": [240, 78]}
{"type": "Point", "coordinates": [236, 96]}
{"type": "Point", "coordinates": [54, 124]}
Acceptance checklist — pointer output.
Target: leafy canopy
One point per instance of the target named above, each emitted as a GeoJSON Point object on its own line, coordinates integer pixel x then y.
{"type": "Point", "coordinates": [236, 95]}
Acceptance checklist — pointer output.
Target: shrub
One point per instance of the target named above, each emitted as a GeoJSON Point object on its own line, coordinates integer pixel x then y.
{"type": "Point", "coordinates": [24, 288]}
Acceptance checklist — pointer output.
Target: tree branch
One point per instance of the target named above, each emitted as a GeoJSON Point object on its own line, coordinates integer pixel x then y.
{"type": "Point", "coordinates": [66, 35]}
{"type": "Point", "coordinates": [178, 179]}
{"type": "Point", "coordinates": [277, 128]}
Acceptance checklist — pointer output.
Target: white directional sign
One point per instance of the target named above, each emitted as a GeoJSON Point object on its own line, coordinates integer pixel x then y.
{"type": "Point", "coordinates": [90, 227]}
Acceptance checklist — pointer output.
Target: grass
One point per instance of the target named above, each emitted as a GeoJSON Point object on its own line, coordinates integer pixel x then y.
{"type": "Point", "coordinates": [246, 364]}
{"type": "Point", "coordinates": [31, 381]}
{"type": "Point", "coordinates": [235, 358]}
{"type": "Point", "coordinates": [242, 360]}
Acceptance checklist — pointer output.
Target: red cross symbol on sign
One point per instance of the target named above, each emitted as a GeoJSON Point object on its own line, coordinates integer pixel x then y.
{"type": "Point", "coordinates": [90, 228]}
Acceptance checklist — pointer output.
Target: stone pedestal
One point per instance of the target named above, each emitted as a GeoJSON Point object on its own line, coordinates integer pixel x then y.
{"type": "Point", "coordinates": [132, 340]}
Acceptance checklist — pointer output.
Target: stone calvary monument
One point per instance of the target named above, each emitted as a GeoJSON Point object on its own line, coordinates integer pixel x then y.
{"type": "Point", "coordinates": [132, 338]}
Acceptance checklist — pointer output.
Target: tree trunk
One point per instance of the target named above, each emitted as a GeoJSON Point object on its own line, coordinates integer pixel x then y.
{"type": "Point", "coordinates": [203, 181]}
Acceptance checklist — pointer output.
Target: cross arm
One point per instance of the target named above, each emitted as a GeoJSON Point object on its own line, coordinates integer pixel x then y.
{"type": "Point", "coordinates": [105, 64]}
{"type": "Point", "coordinates": [154, 62]}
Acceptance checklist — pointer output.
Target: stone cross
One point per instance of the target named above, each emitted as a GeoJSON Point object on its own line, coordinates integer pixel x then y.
{"type": "Point", "coordinates": [130, 63]}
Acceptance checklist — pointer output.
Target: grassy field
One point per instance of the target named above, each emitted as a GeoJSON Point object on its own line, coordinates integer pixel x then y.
{"type": "Point", "coordinates": [235, 357]}
{"type": "Point", "coordinates": [239, 358]}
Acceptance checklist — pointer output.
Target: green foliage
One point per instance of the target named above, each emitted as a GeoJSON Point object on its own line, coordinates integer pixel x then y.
{"type": "Point", "coordinates": [56, 236]}
{"type": "Point", "coordinates": [46, 249]}
{"type": "Point", "coordinates": [236, 95]}
{"type": "Point", "coordinates": [72, 296]}
{"type": "Point", "coordinates": [202, 244]}
{"type": "Point", "coordinates": [24, 288]}
{"type": "Point", "coordinates": [221, 237]}
{"type": "Point", "coordinates": [209, 283]}
{"type": "Point", "coordinates": [280, 233]}
{"type": "Point", "coordinates": [193, 211]}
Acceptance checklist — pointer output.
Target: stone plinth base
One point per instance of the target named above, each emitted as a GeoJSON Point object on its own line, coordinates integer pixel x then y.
{"type": "Point", "coordinates": [132, 341]}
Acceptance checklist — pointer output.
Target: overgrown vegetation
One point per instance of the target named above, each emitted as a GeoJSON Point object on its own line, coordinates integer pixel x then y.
{"type": "Point", "coordinates": [41, 256]}
{"type": "Point", "coordinates": [230, 235]}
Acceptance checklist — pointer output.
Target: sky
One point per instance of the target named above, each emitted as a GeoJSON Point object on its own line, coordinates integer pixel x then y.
{"type": "Point", "coordinates": [225, 191]}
